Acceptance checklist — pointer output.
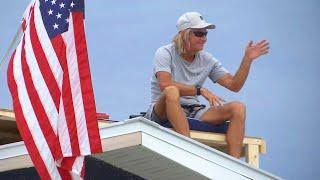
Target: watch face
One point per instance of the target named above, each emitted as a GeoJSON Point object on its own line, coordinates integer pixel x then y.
{"type": "Point", "coordinates": [198, 91]}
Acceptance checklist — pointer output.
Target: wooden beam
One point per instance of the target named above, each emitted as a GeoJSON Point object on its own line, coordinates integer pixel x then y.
{"type": "Point", "coordinates": [252, 155]}
{"type": "Point", "coordinates": [220, 139]}
{"type": "Point", "coordinates": [252, 146]}
{"type": "Point", "coordinates": [7, 113]}
{"type": "Point", "coordinates": [8, 128]}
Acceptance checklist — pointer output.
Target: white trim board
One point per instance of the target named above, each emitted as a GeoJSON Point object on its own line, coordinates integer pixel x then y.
{"type": "Point", "coordinates": [153, 152]}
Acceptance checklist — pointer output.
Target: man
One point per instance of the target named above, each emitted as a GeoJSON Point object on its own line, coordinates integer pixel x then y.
{"type": "Point", "coordinates": [181, 68]}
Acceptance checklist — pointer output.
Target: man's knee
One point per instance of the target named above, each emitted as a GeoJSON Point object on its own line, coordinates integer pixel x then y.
{"type": "Point", "coordinates": [172, 94]}
{"type": "Point", "coordinates": [238, 109]}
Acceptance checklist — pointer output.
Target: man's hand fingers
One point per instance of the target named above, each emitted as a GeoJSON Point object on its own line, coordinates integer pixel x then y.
{"type": "Point", "coordinates": [221, 99]}
{"type": "Point", "coordinates": [211, 102]}
{"type": "Point", "coordinates": [217, 101]}
{"type": "Point", "coordinates": [264, 45]}
{"type": "Point", "coordinates": [262, 42]}
{"type": "Point", "coordinates": [264, 48]}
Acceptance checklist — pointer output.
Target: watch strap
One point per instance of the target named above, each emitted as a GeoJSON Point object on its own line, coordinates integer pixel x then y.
{"type": "Point", "coordinates": [198, 90]}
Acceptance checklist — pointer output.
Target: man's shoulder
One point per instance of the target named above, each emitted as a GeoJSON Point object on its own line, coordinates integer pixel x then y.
{"type": "Point", "coordinates": [206, 56]}
{"type": "Point", "coordinates": [166, 50]}
{"type": "Point", "coordinates": [167, 47]}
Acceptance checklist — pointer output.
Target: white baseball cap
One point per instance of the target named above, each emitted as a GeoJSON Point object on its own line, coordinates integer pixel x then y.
{"type": "Point", "coordinates": [192, 20]}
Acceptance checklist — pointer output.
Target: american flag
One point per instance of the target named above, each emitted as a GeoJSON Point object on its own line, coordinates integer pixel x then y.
{"type": "Point", "coordinates": [49, 79]}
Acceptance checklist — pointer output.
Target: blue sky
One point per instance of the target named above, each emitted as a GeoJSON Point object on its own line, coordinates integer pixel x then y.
{"type": "Point", "coordinates": [281, 92]}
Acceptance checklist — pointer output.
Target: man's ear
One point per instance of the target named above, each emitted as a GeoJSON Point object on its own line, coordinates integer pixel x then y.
{"type": "Point", "coordinates": [181, 33]}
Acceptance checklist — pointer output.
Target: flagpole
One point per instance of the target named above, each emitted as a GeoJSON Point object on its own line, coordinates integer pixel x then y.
{"type": "Point", "coordinates": [13, 45]}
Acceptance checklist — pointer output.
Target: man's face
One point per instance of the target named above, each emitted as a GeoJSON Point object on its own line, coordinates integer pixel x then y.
{"type": "Point", "coordinates": [197, 39]}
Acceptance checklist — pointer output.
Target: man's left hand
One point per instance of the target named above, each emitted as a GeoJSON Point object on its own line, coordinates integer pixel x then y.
{"type": "Point", "coordinates": [254, 51]}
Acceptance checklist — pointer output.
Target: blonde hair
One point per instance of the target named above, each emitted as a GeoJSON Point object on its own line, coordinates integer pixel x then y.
{"type": "Point", "coordinates": [181, 40]}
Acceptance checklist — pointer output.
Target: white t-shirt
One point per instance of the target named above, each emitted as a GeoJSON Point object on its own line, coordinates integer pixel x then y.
{"type": "Point", "coordinates": [195, 73]}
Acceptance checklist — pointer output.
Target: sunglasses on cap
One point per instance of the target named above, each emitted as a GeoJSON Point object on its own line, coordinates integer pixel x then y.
{"type": "Point", "coordinates": [200, 33]}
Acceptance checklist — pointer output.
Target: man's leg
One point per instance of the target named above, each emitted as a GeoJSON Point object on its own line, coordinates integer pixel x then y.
{"type": "Point", "coordinates": [168, 106]}
{"type": "Point", "coordinates": [235, 112]}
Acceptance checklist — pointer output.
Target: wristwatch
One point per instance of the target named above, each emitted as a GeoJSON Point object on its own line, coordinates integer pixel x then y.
{"type": "Point", "coordinates": [198, 90]}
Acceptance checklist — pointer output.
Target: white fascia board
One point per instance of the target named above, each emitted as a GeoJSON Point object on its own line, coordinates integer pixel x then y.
{"type": "Point", "coordinates": [13, 150]}
{"type": "Point", "coordinates": [154, 131]}
{"type": "Point", "coordinates": [188, 159]}
{"type": "Point", "coordinates": [14, 156]}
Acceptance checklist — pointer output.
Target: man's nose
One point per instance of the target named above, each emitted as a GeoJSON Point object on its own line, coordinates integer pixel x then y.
{"type": "Point", "coordinates": [204, 38]}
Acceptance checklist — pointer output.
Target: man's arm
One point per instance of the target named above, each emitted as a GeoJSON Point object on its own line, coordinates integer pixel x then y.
{"type": "Point", "coordinates": [252, 52]}
{"type": "Point", "coordinates": [165, 80]}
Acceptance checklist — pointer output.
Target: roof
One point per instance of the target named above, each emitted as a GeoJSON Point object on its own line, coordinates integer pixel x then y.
{"type": "Point", "coordinates": [8, 129]}
{"type": "Point", "coordinates": [151, 151]}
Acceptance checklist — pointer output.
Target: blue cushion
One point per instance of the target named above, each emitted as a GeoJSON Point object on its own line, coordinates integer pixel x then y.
{"type": "Point", "coordinates": [198, 125]}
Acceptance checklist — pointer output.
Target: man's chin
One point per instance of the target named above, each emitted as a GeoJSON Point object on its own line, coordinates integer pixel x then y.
{"type": "Point", "coordinates": [196, 50]}
{"type": "Point", "coordinates": [199, 49]}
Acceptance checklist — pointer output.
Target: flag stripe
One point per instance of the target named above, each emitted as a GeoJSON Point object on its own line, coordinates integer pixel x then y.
{"type": "Point", "coordinates": [68, 162]}
{"type": "Point", "coordinates": [21, 123]}
{"type": "Point", "coordinates": [48, 48]}
{"type": "Point", "coordinates": [40, 84]}
{"type": "Point", "coordinates": [78, 164]}
{"type": "Point", "coordinates": [26, 14]}
{"type": "Point", "coordinates": [86, 85]}
{"type": "Point", "coordinates": [30, 118]}
{"type": "Point", "coordinates": [65, 174]}
{"type": "Point", "coordinates": [64, 133]}
{"type": "Point", "coordinates": [38, 92]}
{"type": "Point", "coordinates": [68, 105]}
{"type": "Point", "coordinates": [83, 170]}
{"type": "Point", "coordinates": [28, 10]}
{"type": "Point", "coordinates": [47, 126]}
{"type": "Point", "coordinates": [76, 89]}
{"type": "Point", "coordinates": [44, 66]}
{"type": "Point", "coordinates": [37, 62]}
{"type": "Point", "coordinates": [48, 133]}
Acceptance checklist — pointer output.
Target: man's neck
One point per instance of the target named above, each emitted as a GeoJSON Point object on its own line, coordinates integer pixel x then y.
{"type": "Point", "coordinates": [188, 56]}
